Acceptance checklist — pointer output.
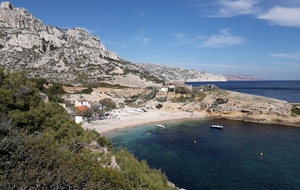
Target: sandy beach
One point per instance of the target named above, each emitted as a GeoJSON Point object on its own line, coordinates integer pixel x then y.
{"type": "Point", "coordinates": [132, 117]}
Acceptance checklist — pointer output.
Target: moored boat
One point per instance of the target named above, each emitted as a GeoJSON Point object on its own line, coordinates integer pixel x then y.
{"type": "Point", "coordinates": [161, 126]}
{"type": "Point", "coordinates": [217, 126]}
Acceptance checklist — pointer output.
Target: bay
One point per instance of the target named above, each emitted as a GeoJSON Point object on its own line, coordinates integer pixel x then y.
{"type": "Point", "coordinates": [241, 156]}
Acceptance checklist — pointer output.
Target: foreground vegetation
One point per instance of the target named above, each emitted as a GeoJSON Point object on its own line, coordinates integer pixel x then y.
{"type": "Point", "coordinates": [41, 147]}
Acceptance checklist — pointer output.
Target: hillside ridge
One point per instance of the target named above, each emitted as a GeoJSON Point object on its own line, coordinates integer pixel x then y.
{"type": "Point", "coordinates": [73, 55]}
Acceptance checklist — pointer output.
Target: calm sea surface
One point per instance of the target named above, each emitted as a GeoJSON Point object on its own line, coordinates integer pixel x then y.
{"type": "Point", "coordinates": [283, 90]}
{"type": "Point", "coordinates": [241, 156]}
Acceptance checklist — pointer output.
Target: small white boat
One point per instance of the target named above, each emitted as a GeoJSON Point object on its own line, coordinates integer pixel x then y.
{"type": "Point", "coordinates": [217, 126]}
{"type": "Point", "coordinates": [161, 126]}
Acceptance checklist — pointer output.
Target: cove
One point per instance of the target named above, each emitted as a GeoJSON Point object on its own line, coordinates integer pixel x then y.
{"type": "Point", "coordinates": [240, 156]}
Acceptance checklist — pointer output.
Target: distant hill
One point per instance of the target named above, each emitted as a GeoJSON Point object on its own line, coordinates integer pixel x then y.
{"type": "Point", "coordinates": [73, 55]}
{"type": "Point", "coordinates": [240, 77]}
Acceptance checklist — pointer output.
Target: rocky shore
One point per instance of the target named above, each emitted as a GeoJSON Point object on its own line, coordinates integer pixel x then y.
{"type": "Point", "coordinates": [250, 108]}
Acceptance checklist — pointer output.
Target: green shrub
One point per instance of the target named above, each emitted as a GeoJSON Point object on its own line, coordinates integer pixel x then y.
{"type": "Point", "coordinates": [104, 142]}
{"type": "Point", "coordinates": [159, 106]}
{"type": "Point", "coordinates": [201, 96]}
{"type": "Point", "coordinates": [107, 85]}
{"type": "Point", "coordinates": [42, 147]}
{"type": "Point", "coordinates": [180, 99]}
{"type": "Point", "coordinates": [162, 99]}
{"type": "Point", "coordinates": [88, 90]}
{"type": "Point", "coordinates": [129, 101]}
{"type": "Point", "coordinates": [182, 90]}
{"type": "Point", "coordinates": [108, 103]}
{"type": "Point", "coordinates": [296, 110]}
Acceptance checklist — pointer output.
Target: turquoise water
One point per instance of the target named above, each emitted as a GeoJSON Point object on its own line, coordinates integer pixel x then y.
{"type": "Point", "coordinates": [241, 156]}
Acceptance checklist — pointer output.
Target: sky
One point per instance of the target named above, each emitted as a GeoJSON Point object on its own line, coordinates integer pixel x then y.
{"type": "Point", "coordinates": [230, 37]}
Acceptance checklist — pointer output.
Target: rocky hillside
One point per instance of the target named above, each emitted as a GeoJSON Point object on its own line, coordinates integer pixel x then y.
{"type": "Point", "coordinates": [240, 77]}
{"type": "Point", "coordinates": [73, 55]}
{"type": "Point", "coordinates": [180, 74]}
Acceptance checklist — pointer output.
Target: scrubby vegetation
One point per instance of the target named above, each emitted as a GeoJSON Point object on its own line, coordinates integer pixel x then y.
{"type": "Point", "coordinates": [108, 103]}
{"type": "Point", "coordinates": [41, 147]}
{"type": "Point", "coordinates": [107, 85]}
{"type": "Point", "coordinates": [296, 110]}
{"type": "Point", "coordinates": [159, 106]}
{"type": "Point", "coordinates": [87, 90]}
{"type": "Point", "coordinates": [182, 90]}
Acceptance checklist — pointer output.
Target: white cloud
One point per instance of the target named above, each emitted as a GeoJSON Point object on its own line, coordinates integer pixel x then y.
{"type": "Point", "coordinates": [145, 40]}
{"type": "Point", "coordinates": [230, 8]}
{"type": "Point", "coordinates": [183, 39]}
{"type": "Point", "coordinates": [283, 16]}
{"type": "Point", "coordinates": [287, 55]}
{"type": "Point", "coordinates": [224, 39]}
{"type": "Point", "coordinates": [141, 37]}
{"type": "Point", "coordinates": [139, 12]}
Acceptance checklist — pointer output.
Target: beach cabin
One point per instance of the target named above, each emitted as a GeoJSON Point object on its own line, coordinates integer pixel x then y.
{"type": "Point", "coordinates": [164, 88]}
{"type": "Point", "coordinates": [82, 103]}
{"type": "Point", "coordinates": [82, 112]}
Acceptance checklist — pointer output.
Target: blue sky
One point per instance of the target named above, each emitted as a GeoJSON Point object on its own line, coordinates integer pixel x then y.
{"type": "Point", "coordinates": [250, 37]}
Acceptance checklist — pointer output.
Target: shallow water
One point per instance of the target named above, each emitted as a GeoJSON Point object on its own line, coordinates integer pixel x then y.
{"type": "Point", "coordinates": [240, 156]}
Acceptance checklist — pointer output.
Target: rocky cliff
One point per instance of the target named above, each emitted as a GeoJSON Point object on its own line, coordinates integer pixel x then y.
{"type": "Point", "coordinates": [240, 77]}
{"type": "Point", "coordinates": [73, 55]}
{"type": "Point", "coordinates": [180, 74]}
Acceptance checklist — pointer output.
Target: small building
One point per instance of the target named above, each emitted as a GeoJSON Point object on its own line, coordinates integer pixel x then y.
{"type": "Point", "coordinates": [164, 88]}
{"type": "Point", "coordinates": [171, 88]}
{"type": "Point", "coordinates": [82, 103]}
{"type": "Point", "coordinates": [78, 119]}
{"type": "Point", "coordinates": [82, 112]}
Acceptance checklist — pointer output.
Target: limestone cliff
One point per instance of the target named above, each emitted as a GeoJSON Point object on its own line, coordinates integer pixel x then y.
{"type": "Point", "coordinates": [68, 55]}
{"type": "Point", "coordinates": [180, 74]}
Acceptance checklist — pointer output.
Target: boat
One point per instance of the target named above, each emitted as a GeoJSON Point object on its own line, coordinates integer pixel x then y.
{"type": "Point", "coordinates": [217, 126]}
{"type": "Point", "coordinates": [161, 126]}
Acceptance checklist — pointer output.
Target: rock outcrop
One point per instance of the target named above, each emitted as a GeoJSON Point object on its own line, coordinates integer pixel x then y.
{"type": "Point", "coordinates": [249, 108]}
{"type": "Point", "coordinates": [71, 55]}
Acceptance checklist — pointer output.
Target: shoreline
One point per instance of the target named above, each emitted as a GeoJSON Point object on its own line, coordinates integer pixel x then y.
{"type": "Point", "coordinates": [127, 118]}
{"type": "Point", "coordinates": [118, 121]}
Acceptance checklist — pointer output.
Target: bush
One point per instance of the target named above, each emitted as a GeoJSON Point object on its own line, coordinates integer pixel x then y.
{"type": "Point", "coordinates": [159, 106]}
{"type": "Point", "coordinates": [180, 99]}
{"type": "Point", "coordinates": [162, 99]}
{"type": "Point", "coordinates": [108, 103]}
{"type": "Point", "coordinates": [296, 110]}
{"type": "Point", "coordinates": [182, 90]}
{"type": "Point", "coordinates": [104, 142]}
{"type": "Point", "coordinates": [220, 101]}
{"type": "Point", "coordinates": [129, 101]}
{"type": "Point", "coordinates": [201, 96]}
{"type": "Point", "coordinates": [88, 90]}
{"type": "Point", "coordinates": [56, 89]}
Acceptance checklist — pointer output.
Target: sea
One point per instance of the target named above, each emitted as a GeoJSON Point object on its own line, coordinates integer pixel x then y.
{"type": "Point", "coordinates": [240, 156]}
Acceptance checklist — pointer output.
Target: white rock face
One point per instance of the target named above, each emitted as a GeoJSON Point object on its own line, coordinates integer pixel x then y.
{"type": "Point", "coordinates": [71, 55]}
{"type": "Point", "coordinates": [180, 74]}
{"type": "Point", "coordinates": [6, 5]}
